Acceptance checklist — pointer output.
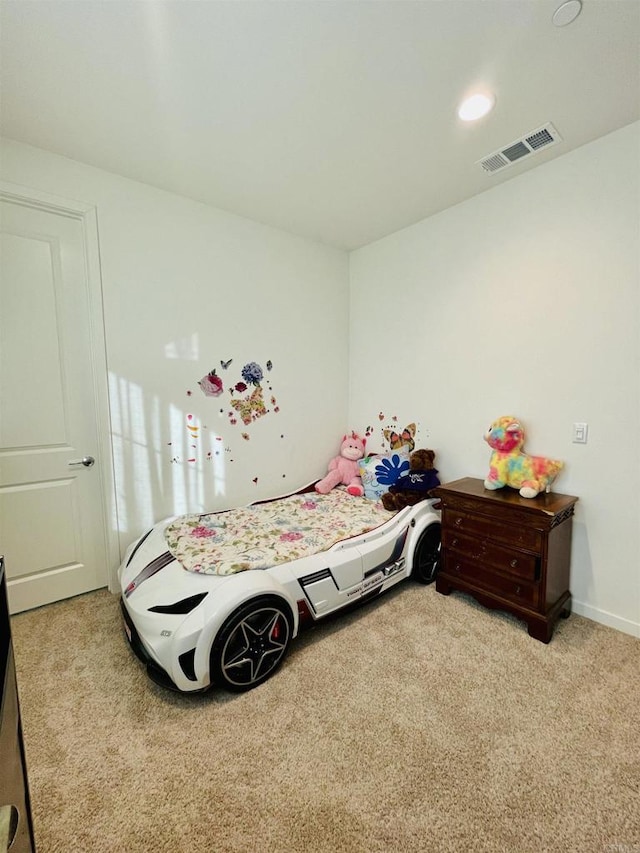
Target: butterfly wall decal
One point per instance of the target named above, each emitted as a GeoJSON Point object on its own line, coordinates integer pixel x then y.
{"type": "Point", "coordinates": [250, 408]}
{"type": "Point", "coordinates": [402, 439]}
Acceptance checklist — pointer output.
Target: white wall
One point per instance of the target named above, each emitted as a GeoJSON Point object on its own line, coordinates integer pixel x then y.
{"type": "Point", "coordinates": [186, 286]}
{"type": "Point", "coordinates": [523, 300]}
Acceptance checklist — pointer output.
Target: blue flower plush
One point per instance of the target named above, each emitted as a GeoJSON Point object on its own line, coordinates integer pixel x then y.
{"type": "Point", "coordinates": [390, 469]}
{"type": "Point", "coordinates": [380, 472]}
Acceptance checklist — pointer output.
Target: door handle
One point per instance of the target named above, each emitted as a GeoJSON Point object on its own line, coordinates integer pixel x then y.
{"type": "Point", "coordinates": [87, 461]}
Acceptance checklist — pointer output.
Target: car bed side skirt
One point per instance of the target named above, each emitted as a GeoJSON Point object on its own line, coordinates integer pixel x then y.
{"type": "Point", "coordinates": [398, 548]}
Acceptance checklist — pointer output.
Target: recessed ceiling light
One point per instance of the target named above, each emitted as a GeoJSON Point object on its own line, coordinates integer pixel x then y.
{"type": "Point", "coordinates": [567, 13]}
{"type": "Point", "coordinates": [475, 107]}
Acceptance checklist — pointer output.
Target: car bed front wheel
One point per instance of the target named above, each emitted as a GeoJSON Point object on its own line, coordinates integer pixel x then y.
{"type": "Point", "coordinates": [251, 644]}
{"type": "Point", "coordinates": [426, 557]}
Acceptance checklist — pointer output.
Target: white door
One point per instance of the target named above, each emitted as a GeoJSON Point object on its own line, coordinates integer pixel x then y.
{"type": "Point", "coordinates": [53, 492]}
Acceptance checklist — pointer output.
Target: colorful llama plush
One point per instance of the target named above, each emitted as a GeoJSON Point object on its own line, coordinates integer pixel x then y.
{"type": "Point", "coordinates": [511, 466]}
{"type": "Point", "coordinates": [344, 468]}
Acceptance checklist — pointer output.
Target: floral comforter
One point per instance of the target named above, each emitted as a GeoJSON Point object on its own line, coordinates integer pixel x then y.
{"type": "Point", "coordinates": [260, 536]}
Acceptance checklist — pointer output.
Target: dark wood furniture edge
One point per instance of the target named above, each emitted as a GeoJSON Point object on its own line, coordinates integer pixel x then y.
{"type": "Point", "coordinates": [539, 626]}
{"type": "Point", "coordinates": [545, 513]}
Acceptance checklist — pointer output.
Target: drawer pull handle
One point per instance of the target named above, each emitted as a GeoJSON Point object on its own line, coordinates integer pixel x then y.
{"type": "Point", "coordinates": [514, 563]}
{"type": "Point", "coordinates": [518, 590]}
{"type": "Point", "coordinates": [458, 522]}
{"type": "Point", "coordinates": [457, 568]}
{"type": "Point", "coordinates": [454, 543]}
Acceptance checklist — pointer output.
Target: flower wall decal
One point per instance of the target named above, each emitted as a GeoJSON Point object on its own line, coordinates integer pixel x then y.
{"type": "Point", "coordinates": [211, 384]}
{"type": "Point", "coordinates": [248, 399]}
{"type": "Point", "coordinates": [252, 373]}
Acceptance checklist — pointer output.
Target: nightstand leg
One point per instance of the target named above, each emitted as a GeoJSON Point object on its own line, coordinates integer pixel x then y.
{"type": "Point", "coordinates": [542, 631]}
{"type": "Point", "coordinates": [442, 585]}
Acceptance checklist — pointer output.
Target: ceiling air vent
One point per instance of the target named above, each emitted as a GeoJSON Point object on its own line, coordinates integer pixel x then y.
{"type": "Point", "coordinates": [535, 141]}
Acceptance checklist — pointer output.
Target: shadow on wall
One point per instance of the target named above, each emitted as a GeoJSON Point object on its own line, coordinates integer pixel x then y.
{"type": "Point", "coordinates": [582, 583]}
{"type": "Point", "coordinates": [146, 432]}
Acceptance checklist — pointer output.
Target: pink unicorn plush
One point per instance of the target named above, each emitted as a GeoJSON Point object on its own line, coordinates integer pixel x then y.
{"type": "Point", "coordinates": [344, 468]}
{"type": "Point", "coordinates": [511, 466]}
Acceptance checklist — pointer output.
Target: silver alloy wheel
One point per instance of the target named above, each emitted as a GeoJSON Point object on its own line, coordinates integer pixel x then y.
{"type": "Point", "coordinates": [251, 644]}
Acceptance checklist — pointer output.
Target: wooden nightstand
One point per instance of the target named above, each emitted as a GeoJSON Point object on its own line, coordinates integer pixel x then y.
{"type": "Point", "coordinates": [508, 552]}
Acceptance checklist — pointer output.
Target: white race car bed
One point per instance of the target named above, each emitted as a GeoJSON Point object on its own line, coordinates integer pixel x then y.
{"type": "Point", "coordinates": [217, 598]}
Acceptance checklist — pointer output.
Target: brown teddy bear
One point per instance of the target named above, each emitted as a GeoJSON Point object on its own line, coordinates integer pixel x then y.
{"type": "Point", "coordinates": [415, 486]}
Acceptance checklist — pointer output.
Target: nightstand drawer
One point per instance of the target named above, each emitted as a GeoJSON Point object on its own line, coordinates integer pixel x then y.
{"type": "Point", "coordinates": [489, 553]}
{"type": "Point", "coordinates": [516, 591]}
{"type": "Point", "coordinates": [478, 525]}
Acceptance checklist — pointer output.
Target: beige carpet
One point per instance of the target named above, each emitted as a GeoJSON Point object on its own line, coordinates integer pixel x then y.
{"type": "Point", "coordinates": [419, 723]}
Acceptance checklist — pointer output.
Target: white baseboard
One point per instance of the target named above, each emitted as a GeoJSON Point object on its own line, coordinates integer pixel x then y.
{"type": "Point", "coordinates": [608, 619]}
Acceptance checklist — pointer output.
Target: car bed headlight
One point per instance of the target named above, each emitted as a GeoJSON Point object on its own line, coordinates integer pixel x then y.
{"type": "Point", "coordinates": [179, 608]}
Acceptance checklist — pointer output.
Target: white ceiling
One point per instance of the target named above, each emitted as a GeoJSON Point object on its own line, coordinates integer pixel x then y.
{"type": "Point", "coordinates": [332, 120]}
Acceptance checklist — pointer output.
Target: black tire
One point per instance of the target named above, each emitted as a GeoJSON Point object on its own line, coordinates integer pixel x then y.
{"type": "Point", "coordinates": [251, 644]}
{"type": "Point", "coordinates": [426, 557]}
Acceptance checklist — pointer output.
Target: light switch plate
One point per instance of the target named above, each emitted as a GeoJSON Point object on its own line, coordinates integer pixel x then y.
{"type": "Point", "coordinates": [580, 433]}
